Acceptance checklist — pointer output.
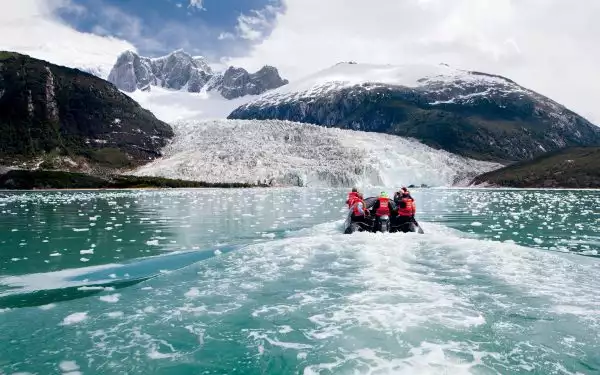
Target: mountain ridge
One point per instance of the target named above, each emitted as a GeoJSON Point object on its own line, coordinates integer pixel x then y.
{"type": "Point", "coordinates": [473, 114]}
{"type": "Point", "coordinates": [181, 71]}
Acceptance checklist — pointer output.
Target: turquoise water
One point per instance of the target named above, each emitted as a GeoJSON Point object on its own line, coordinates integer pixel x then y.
{"type": "Point", "coordinates": [263, 282]}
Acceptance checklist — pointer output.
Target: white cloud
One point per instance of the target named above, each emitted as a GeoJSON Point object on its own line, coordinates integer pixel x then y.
{"type": "Point", "coordinates": [226, 35]}
{"type": "Point", "coordinates": [112, 21]}
{"type": "Point", "coordinates": [196, 4]}
{"type": "Point", "coordinates": [252, 26]}
{"type": "Point", "coordinates": [30, 27]}
{"type": "Point", "coordinates": [546, 45]}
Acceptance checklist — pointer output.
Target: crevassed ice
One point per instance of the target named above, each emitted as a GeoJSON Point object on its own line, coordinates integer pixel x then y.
{"type": "Point", "coordinates": [295, 154]}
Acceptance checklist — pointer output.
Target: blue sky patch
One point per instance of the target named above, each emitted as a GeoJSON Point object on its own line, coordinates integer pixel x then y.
{"type": "Point", "coordinates": [157, 27]}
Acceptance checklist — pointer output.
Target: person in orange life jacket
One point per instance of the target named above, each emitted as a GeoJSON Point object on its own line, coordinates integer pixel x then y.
{"type": "Point", "coordinates": [383, 206]}
{"type": "Point", "coordinates": [406, 210]}
{"type": "Point", "coordinates": [352, 197]}
{"type": "Point", "coordinates": [398, 196]}
{"type": "Point", "coordinates": [359, 210]}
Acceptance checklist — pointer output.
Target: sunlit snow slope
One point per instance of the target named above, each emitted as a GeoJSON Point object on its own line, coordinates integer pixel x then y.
{"type": "Point", "coordinates": [288, 153]}
{"type": "Point", "coordinates": [448, 81]}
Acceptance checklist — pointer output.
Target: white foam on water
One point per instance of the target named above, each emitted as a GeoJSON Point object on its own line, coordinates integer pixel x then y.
{"type": "Point", "coordinates": [193, 292]}
{"type": "Point", "coordinates": [115, 314]}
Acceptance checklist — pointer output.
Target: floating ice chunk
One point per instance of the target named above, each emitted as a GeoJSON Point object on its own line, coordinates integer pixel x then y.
{"type": "Point", "coordinates": [81, 229]}
{"type": "Point", "coordinates": [48, 306]}
{"type": "Point", "coordinates": [84, 259]}
{"type": "Point", "coordinates": [68, 366]}
{"type": "Point", "coordinates": [75, 318]}
{"type": "Point", "coordinates": [90, 251]}
{"type": "Point", "coordinates": [55, 254]}
{"type": "Point", "coordinates": [152, 242]}
{"type": "Point", "coordinates": [476, 224]}
{"type": "Point", "coordinates": [111, 298]}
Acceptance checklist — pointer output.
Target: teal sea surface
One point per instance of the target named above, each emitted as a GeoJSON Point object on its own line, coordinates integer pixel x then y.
{"type": "Point", "coordinates": [263, 281]}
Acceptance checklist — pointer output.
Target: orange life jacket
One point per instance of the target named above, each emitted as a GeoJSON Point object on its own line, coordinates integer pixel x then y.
{"type": "Point", "coordinates": [407, 207]}
{"type": "Point", "coordinates": [384, 208]}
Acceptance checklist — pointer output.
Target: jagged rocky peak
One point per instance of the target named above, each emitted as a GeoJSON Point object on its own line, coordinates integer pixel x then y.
{"type": "Point", "coordinates": [238, 82]}
{"type": "Point", "coordinates": [181, 71]}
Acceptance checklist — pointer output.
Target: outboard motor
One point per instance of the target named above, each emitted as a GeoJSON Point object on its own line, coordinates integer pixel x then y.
{"type": "Point", "coordinates": [384, 224]}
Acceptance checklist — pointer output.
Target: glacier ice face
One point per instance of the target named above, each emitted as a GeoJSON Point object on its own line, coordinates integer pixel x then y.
{"type": "Point", "coordinates": [294, 154]}
{"type": "Point", "coordinates": [181, 71]}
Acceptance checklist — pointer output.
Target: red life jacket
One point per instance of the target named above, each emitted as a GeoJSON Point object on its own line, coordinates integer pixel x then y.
{"type": "Point", "coordinates": [384, 208]}
{"type": "Point", "coordinates": [407, 207]}
{"type": "Point", "coordinates": [355, 210]}
{"type": "Point", "coordinates": [352, 198]}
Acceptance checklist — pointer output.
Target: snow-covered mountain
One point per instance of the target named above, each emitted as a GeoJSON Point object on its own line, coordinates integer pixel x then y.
{"type": "Point", "coordinates": [287, 153]}
{"type": "Point", "coordinates": [181, 71]}
{"type": "Point", "coordinates": [473, 114]}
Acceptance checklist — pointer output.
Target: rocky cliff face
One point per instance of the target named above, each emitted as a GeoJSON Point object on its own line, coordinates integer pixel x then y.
{"type": "Point", "coordinates": [468, 113]}
{"type": "Point", "coordinates": [180, 71]}
{"type": "Point", "coordinates": [48, 110]}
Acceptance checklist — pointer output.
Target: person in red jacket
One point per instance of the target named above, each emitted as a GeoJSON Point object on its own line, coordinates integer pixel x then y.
{"type": "Point", "coordinates": [406, 210]}
{"type": "Point", "coordinates": [352, 197]}
{"type": "Point", "coordinates": [359, 210]}
{"type": "Point", "coordinates": [383, 206]}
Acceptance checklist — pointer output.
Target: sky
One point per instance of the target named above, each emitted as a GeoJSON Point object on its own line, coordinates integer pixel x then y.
{"type": "Point", "coordinates": [549, 46]}
{"type": "Point", "coordinates": [213, 28]}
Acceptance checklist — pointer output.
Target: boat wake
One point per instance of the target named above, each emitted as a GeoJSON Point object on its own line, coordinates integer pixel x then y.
{"type": "Point", "coordinates": [320, 301]}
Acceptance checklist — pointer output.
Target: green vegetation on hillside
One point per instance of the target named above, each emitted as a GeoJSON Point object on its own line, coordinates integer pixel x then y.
{"type": "Point", "coordinates": [28, 180]}
{"type": "Point", "coordinates": [47, 109]}
{"type": "Point", "coordinates": [569, 168]}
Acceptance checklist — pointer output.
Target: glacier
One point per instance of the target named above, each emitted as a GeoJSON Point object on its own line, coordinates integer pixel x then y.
{"type": "Point", "coordinates": [284, 153]}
